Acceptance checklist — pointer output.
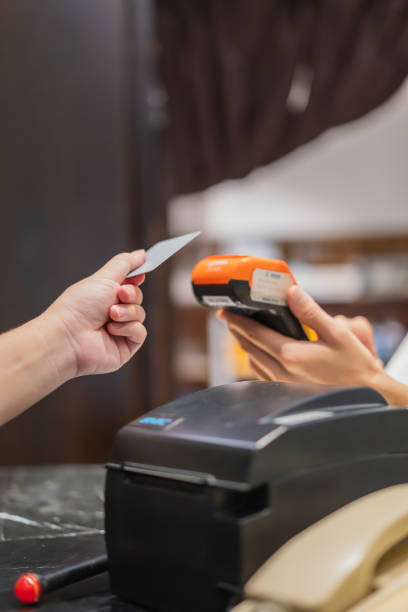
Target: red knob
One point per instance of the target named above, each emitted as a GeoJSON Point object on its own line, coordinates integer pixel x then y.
{"type": "Point", "coordinates": [28, 588]}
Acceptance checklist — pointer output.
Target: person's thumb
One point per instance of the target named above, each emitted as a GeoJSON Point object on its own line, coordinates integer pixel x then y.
{"type": "Point", "coordinates": [309, 312]}
{"type": "Point", "coordinates": [119, 266]}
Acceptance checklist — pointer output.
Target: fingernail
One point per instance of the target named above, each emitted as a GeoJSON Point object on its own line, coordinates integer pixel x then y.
{"type": "Point", "coordinates": [296, 294]}
{"type": "Point", "coordinates": [220, 314]}
{"type": "Point", "coordinates": [140, 254]}
{"type": "Point", "coordinates": [120, 310]}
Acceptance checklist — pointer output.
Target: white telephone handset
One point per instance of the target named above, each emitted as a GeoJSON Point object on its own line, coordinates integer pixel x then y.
{"type": "Point", "coordinates": [354, 560]}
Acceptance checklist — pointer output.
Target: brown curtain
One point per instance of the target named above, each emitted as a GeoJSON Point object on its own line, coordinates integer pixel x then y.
{"type": "Point", "coordinates": [250, 80]}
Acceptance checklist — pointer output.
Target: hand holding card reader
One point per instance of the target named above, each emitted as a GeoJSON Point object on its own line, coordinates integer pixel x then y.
{"type": "Point", "coordinates": [201, 491]}
{"type": "Point", "coordinates": [251, 286]}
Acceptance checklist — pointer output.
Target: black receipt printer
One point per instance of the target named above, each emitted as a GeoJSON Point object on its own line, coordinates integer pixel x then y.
{"type": "Point", "coordinates": [201, 491]}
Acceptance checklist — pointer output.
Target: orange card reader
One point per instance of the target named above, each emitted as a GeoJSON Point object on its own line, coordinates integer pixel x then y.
{"type": "Point", "coordinates": [251, 286]}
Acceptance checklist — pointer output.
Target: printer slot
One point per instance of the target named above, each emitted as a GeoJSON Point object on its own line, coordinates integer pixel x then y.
{"type": "Point", "coordinates": [158, 482]}
{"type": "Point", "coordinates": [239, 504]}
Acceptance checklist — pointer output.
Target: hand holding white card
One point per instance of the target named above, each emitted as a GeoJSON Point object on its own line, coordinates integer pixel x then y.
{"type": "Point", "coordinates": [161, 251]}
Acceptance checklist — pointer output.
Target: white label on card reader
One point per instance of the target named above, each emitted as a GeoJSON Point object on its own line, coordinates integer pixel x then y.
{"type": "Point", "coordinates": [270, 287]}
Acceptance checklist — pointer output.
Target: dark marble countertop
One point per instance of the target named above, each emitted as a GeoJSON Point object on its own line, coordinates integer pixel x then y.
{"type": "Point", "coordinates": [51, 516]}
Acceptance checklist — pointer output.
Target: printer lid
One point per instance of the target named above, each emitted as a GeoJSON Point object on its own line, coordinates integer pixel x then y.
{"type": "Point", "coordinates": [218, 431]}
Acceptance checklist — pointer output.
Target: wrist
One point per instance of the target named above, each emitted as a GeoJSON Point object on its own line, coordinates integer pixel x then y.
{"type": "Point", "coordinates": [58, 350]}
{"type": "Point", "coordinates": [394, 392]}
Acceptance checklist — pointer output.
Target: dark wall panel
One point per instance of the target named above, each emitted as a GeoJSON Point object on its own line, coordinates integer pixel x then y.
{"type": "Point", "coordinates": [64, 200]}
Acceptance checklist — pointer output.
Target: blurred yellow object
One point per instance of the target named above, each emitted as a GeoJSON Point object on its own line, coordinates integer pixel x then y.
{"type": "Point", "coordinates": [310, 333]}
{"type": "Point", "coordinates": [239, 359]}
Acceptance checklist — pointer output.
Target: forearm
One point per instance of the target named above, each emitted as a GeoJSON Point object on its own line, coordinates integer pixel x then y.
{"type": "Point", "coordinates": [34, 360]}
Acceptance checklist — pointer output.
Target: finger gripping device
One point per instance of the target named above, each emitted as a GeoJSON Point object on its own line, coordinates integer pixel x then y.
{"type": "Point", "coordinates": [251, 286]}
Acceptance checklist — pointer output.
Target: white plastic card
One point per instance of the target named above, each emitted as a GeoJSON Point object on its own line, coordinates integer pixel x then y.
{"type": "Point", "coordinates": [161, 251]}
